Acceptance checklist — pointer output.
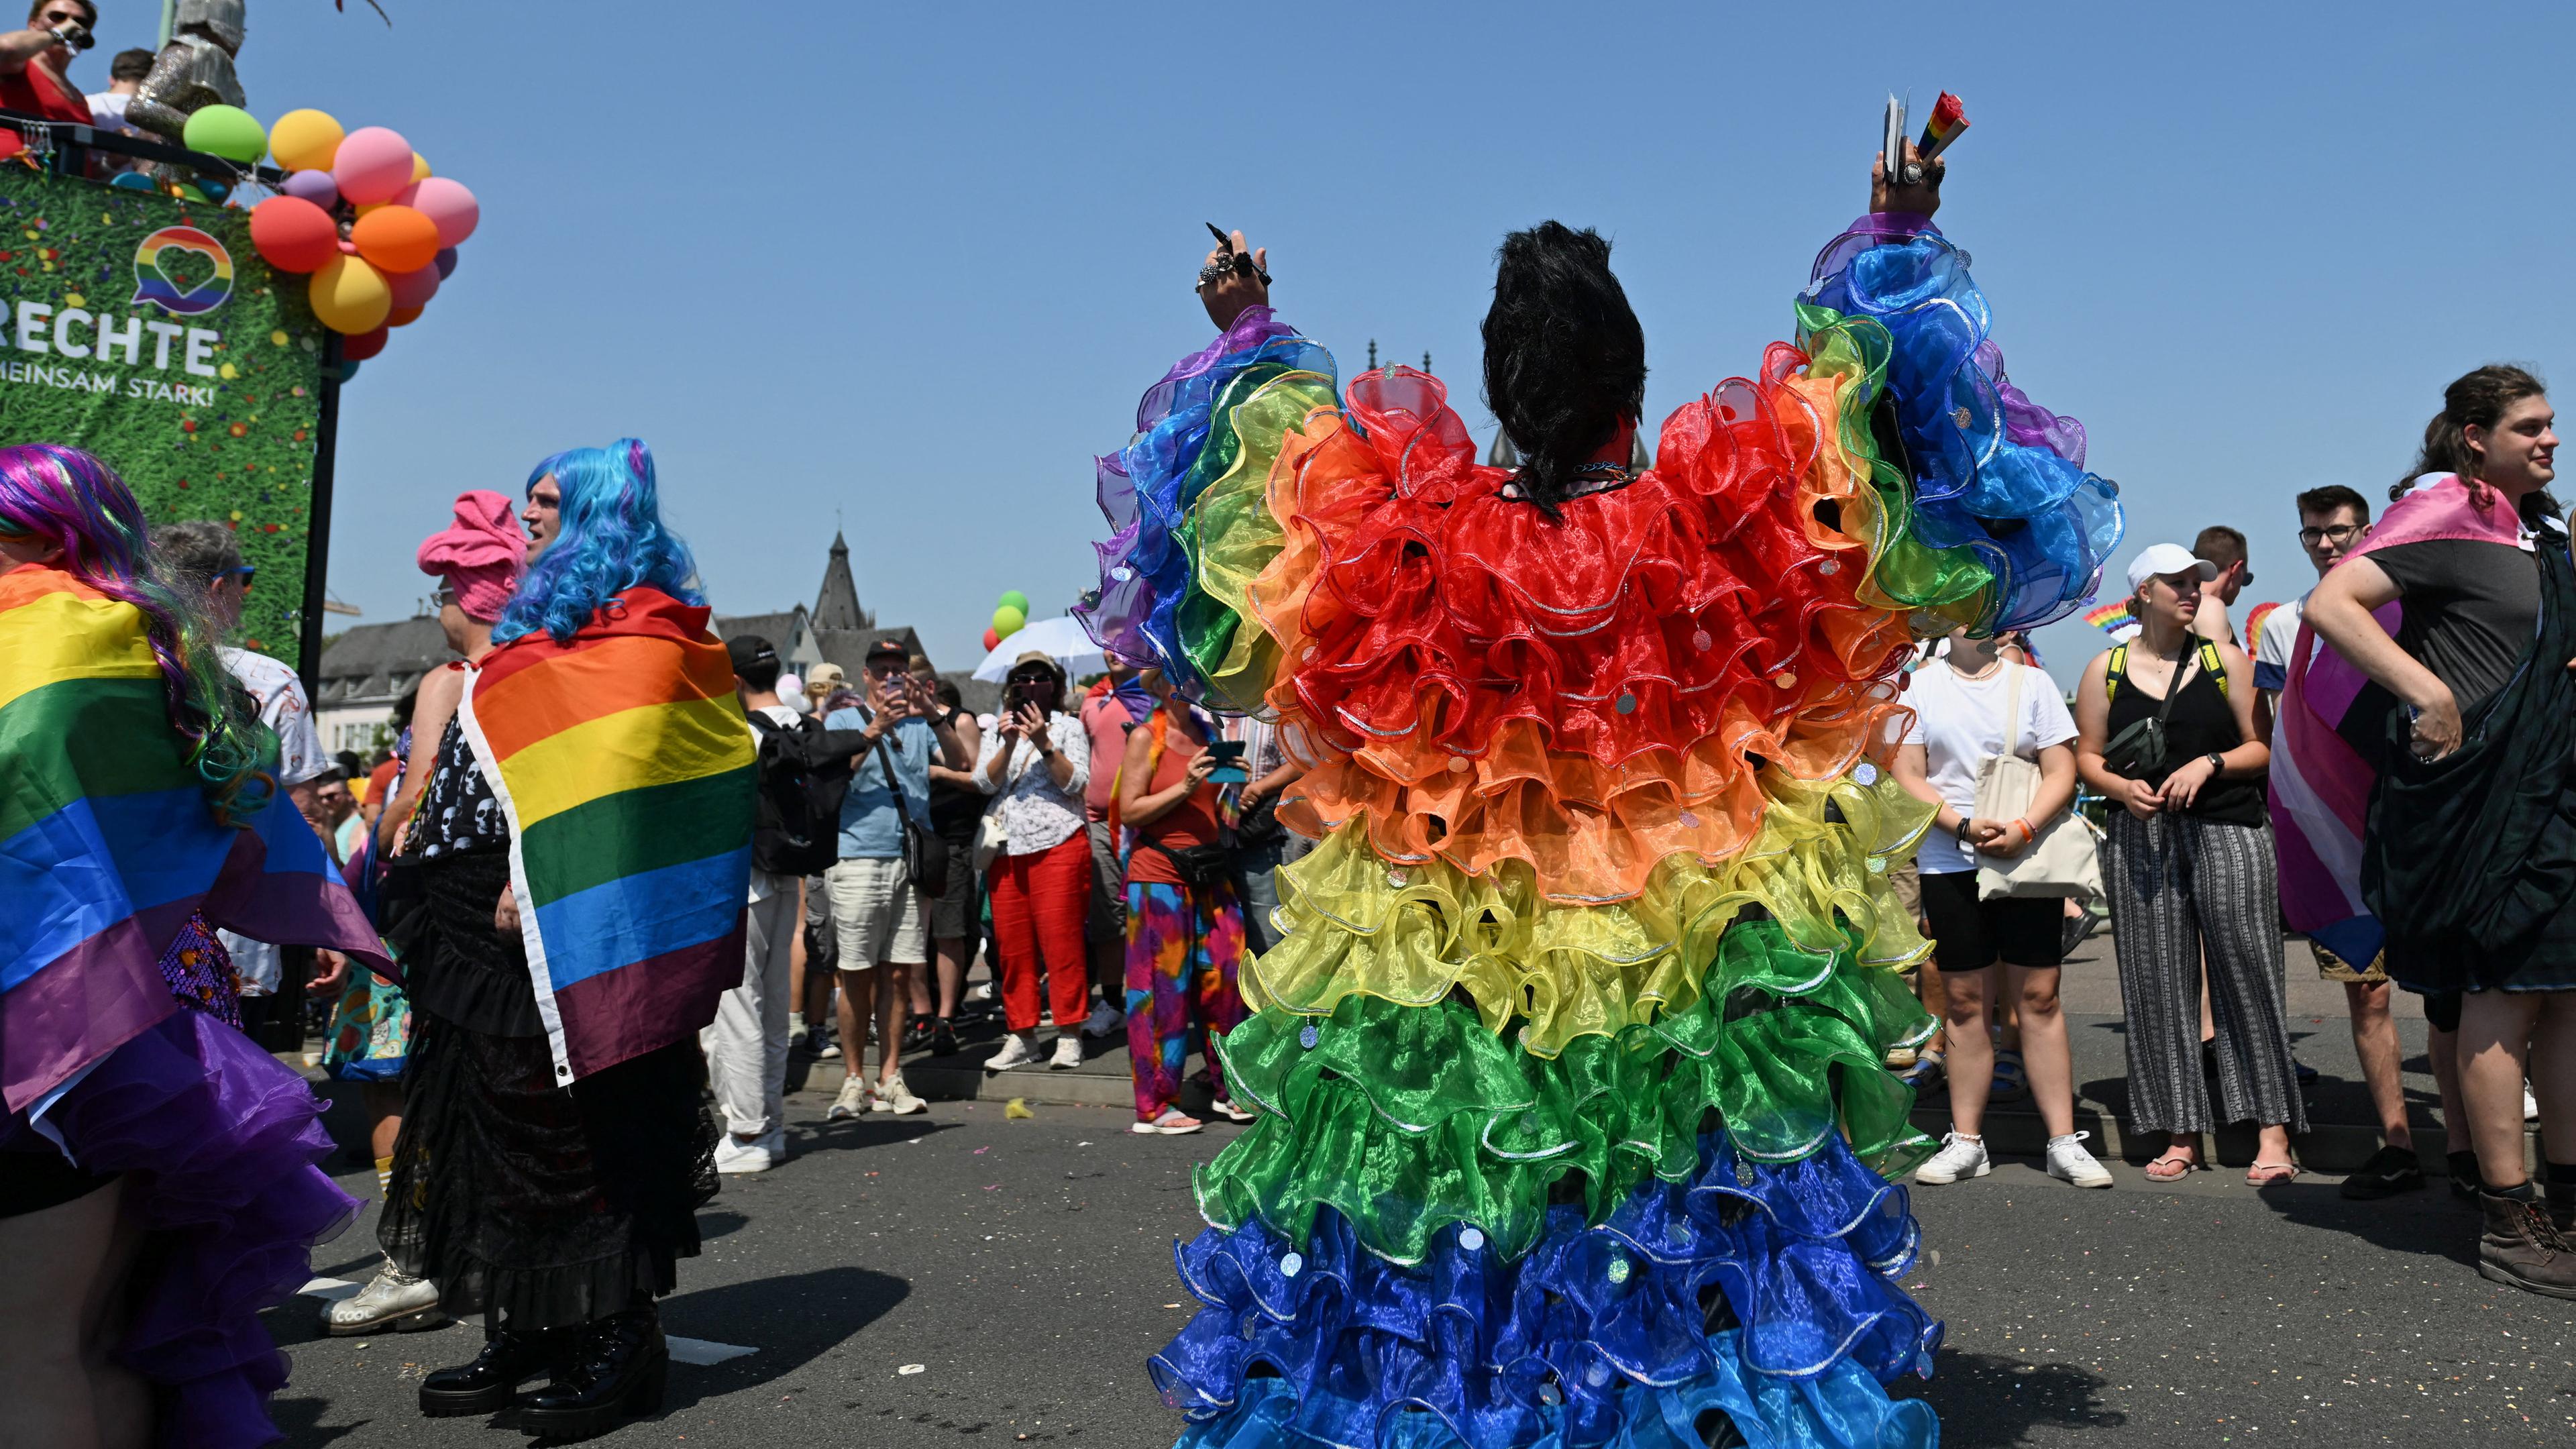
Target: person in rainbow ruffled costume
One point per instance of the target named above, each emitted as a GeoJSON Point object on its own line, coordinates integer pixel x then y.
{"type": "Point", "coordinates": [1571, 1126]}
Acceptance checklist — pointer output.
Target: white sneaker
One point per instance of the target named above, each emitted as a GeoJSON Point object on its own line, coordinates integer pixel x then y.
{"type": "Point", "coordinates": [1105, 1020]}
{"type": "Point", "coordinates": [1068, 1053]}
{"type": "Point", "coordinates": [733, 1155]}
{"type": "Point", "coordinates": [392, 1302]}
{"type": "Point", "coordinates": [853, 1101]}
{"type": "Point", "coordinates": [2068, 1161]}
{"type": "Point", "coordinates": [1017, 1051]}
{"type": "Point", "coordinates": [896, 1097]}
{"type": "Point", "coordinates": [2530, 1104]}
{"type": "Point", "coordinates": [980, 991]}
{"type": "Point", "coordinates": [1959, 1157]}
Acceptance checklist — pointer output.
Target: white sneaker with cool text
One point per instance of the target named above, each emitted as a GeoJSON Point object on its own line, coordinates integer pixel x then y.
{"type": "Point", "coordinates": [1960, 1156]}
{"type": "Point", "coordinates": [2068, 1161]}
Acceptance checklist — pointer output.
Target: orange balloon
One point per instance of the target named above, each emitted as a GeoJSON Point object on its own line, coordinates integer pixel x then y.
{"type": "Point", "coordinates": [396, 239]}
{"type": "Point", "coordinates": [404, 316]}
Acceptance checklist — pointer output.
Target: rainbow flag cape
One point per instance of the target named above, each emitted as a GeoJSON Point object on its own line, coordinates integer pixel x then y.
{"type": "Point", "coordinates": [625, 767]}
{"type": "Point", "coordinates": [107, 844]}
{"type": "Point", "coordinates": [2321, 777]}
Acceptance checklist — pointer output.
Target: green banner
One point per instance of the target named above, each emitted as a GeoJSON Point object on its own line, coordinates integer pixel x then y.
{"type": "Point", "coordinates": [149, 332]}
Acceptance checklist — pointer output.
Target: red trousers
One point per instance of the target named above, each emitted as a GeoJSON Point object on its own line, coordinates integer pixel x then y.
{"type": "Point", "coordinates": [1040, 901]}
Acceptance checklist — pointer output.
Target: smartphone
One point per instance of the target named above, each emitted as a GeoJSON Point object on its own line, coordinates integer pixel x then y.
{"type": "Point", "coordinates": [1229, 770]}
{"type": "Point", "coordinates": [1891, 145]}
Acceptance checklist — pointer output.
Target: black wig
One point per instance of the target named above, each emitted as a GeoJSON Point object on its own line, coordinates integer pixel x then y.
{"type": "Point", "coordinates": [1565, 361]}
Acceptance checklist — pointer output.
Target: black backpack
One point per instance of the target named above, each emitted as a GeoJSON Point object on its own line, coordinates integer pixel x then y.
{"type": "Point", "coordinates": [804, 773]}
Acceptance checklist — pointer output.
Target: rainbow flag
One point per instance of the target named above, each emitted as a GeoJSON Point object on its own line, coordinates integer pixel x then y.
{"type": "Point", "coordinates": [107, 844]}
{"type": "Point", "coordinates": [2109, 616]}
{"type": "Point", "coordinates": [625, 766]}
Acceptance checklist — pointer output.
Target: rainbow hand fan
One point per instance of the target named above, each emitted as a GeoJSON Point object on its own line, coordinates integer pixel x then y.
{"type": "Point", "coordinates": [1949, 118]}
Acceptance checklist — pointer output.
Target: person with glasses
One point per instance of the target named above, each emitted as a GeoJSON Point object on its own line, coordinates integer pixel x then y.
{"type": "Point", "coordinates": [35, 63]}
{"type": "Point", "coordinates": [206, 556]}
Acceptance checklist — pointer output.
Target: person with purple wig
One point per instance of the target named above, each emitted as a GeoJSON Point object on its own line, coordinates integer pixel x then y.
{"type": "Point", "coordinates": [158, 1178]}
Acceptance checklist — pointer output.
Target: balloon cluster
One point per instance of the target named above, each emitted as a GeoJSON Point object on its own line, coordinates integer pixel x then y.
{"type": "Point", "coordinates": [359, 212]}
{"type": "Point", "coordinates": [1010, 614]}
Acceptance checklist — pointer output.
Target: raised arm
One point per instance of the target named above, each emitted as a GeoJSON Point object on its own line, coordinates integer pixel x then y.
{"type": "Point", "coordinates": [2341, 611]}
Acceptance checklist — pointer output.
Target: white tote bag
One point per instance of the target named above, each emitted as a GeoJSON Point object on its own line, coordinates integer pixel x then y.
{"type": "Point", "coordinates": [2061, 860]}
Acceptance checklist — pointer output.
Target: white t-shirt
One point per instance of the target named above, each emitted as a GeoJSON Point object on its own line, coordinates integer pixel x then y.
{"type": "Point", "coordinates": [2272, 650]}
{"type": "Point", "coordinates": [1959, 722]}
{"type": "Point", "coordinates": [280, 697]}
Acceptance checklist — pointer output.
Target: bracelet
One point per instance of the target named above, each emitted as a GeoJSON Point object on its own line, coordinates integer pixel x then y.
{"type": "Point", "coordinates": [2027, 834]}
{"type": "Point", "coordinates": [1962, 831]}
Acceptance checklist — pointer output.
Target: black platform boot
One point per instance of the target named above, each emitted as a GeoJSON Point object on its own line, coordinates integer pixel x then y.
{"type": "Point", "coordinates": [615, 1372]}
{"type": "Point", "coordinates": [491, 1382]}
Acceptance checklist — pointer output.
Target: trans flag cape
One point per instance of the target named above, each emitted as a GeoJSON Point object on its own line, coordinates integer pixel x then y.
{"type": "Point", "coordinates": [2320, 784]}
{"type": "Point", "coordinates": [107, 844]}
{"type": "Point", "coordinates": [625, 767]}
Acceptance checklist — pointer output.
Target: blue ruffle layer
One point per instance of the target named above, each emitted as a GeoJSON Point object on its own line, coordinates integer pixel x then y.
{"type": "Point", "coordinates": [1842, 1408]}
{"type": "Point", "coordinates": [1993, 472]}
{"type": "Point", "coordinates": [1598, 1335]}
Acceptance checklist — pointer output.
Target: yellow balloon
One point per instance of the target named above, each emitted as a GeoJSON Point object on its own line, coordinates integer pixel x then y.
{"type": "Point", "coordinates": [304, 140]}
{"type": "Point", "coordinates": [419, 167]}
{"type": "Point", "coordinates": [350, 296]}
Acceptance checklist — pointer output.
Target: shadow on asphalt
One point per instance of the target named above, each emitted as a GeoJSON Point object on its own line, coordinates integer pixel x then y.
{"type": "Point", "coordinates": [791, 1320]}
{"type": "Point", "coordinates": [1987, 1401]}
{"type": "Point", "coordinates": [2428, 1222]}
{"type": "Point", "coordinates": [300, 1420]}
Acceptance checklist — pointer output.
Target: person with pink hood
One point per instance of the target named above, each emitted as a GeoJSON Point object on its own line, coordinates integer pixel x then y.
{"type": "Point", "coordinates": [477, 560]}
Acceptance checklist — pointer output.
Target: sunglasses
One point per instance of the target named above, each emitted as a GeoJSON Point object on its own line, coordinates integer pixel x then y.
{"type": "Point", "coordinates": [244, 572]}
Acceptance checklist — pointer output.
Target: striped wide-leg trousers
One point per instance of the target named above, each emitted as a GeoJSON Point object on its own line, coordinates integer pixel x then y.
{"type": "Point", "coordinates": [2183, 891]}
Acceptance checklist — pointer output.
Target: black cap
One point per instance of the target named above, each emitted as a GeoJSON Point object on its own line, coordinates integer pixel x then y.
{"type": "Point", "coordinates": [747, 650]}
{"type": "Point", "coordinates": [887, 646]}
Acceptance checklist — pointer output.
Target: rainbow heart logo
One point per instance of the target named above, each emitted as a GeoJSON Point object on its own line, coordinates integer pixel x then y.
{"type": "Point", "coordinates": [169, 272]}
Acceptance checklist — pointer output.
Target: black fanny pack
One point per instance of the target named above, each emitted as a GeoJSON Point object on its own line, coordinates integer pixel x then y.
{"type": "Point", "coordinates": [1198, 866]}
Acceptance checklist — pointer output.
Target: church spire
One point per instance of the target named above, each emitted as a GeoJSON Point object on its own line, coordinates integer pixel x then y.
{"type": "Point", "coordinates": [837, 606]}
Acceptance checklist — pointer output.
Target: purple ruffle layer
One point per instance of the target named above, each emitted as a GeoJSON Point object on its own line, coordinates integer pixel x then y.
{"type": "Point", "coordinates": [220, 1142]}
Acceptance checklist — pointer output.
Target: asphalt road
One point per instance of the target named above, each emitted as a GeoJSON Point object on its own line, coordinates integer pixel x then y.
{"type": "Point", "coordinates": [1021, 1271]}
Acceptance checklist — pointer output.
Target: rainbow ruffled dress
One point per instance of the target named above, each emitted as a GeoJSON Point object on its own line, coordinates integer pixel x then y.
{"type": "Point", "coordinates": [1571, 1126]}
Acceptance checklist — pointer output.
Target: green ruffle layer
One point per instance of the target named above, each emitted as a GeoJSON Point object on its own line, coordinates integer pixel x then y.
{"type": "Point", "coordinates": [1409, 1118]}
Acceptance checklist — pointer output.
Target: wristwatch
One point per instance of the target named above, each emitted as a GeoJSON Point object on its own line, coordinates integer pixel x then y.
{"type": "Point", "coordinates": [2217, 763]}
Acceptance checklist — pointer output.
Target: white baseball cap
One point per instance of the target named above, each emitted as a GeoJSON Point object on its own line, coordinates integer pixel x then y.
{"type": "Point", "coordinates": [2157, 560]}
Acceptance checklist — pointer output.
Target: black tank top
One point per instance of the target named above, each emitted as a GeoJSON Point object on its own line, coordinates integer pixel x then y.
{"type": "Point", "coordinates": [2201, 724]}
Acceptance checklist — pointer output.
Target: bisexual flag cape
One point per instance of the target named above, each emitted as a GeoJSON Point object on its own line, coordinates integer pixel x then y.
{"type": "Point", "coordinates": [2321, 777]}
{"type": "Point", "coordinates": [107, 843]}
{"type": "Point", "coordinates": [624, 764]}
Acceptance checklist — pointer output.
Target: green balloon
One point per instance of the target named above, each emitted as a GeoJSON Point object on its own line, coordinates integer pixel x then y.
{"type": "Point", "coordinates": [1007, 620]}
{"type": "Point", "coordinates": [1013, 599]}
{"type": "Point", "coordinates": [226, 131]}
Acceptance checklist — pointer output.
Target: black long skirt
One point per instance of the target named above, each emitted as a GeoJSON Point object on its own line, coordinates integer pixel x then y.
{"type": "Point", "coordinates": [547, 1205]}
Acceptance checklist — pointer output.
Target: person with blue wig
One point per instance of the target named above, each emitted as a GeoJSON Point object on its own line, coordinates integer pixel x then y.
{"type": "Point", "coordinates": [542, 1179]}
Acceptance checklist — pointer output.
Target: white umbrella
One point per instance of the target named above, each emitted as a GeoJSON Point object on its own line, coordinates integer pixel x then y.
{"type": "Point", "coordinates": [1061, 638]}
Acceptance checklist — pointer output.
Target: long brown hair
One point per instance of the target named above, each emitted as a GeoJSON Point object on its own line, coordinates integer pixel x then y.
{"type": "Point", "coordinates": [2475, 400]}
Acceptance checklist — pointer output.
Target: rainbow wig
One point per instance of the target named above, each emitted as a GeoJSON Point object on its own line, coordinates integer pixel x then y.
{"type": "Point", "coordinates": [611, 539]}
{"type": "Point", "coordinates": [71, 499]}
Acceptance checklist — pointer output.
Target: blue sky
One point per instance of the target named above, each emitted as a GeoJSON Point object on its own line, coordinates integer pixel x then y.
{"type": "Point", "coordinates": [904, 269]}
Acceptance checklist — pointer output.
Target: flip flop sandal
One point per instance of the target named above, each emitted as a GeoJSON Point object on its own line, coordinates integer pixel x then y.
{"type": "Point", "coordinates": [1925, 1074]}
{"type": "Point", "coordinates": [2169, 1167]}
{"type": "Point", "coordinates": [2012, 1080]}
{"type": "Point", "coordinates": [2265, 1174]}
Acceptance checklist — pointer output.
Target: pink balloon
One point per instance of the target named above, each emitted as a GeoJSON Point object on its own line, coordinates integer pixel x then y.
{"type": "Point", "coordinates": [313, 186]}
{"type": "Point", "coordinates": [413, 289]}
{"type": "Point", "coordinates": [373, 164]}
{"type": "Point", "coordinates": [446, 203]}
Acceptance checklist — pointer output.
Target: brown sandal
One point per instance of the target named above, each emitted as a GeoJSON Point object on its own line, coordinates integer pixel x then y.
{"type": "Point", "coordinates": [2176, 1167]}
{"type": "Point", "coordinates": [2264, 1174]}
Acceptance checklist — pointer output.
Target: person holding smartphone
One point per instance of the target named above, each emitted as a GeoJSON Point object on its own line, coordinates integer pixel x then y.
{"type": "Point", "coordinates": [1036, 763]}
{"type": "Point", "coordinates": [35, 63]}
{"type": "Point", "coordinates": [878, 918]}
{"type": "Point", "coordinates": [1184, 921]}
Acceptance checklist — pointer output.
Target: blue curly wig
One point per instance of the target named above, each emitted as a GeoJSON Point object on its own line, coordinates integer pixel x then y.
{"type": "Point", "coordinates": [611, 539]}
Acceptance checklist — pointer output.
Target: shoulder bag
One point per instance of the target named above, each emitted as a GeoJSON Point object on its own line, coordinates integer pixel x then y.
{"type": "Point", "coordinates": [925, 855]}
{"type": "Point", "coordinates": [2060, 860]}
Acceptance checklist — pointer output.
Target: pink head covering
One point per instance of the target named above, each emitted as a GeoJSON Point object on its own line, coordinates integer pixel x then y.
{"type": "Point", "coordinates": [480, 555]}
